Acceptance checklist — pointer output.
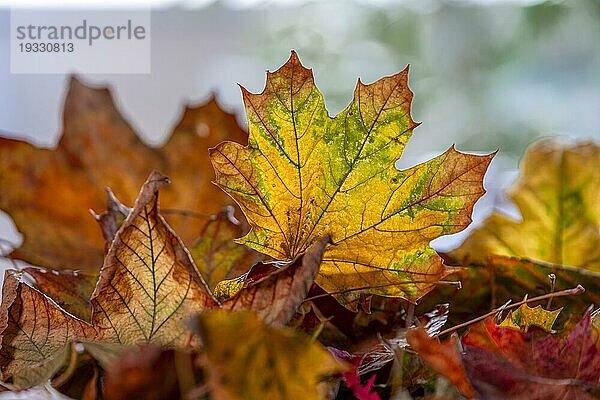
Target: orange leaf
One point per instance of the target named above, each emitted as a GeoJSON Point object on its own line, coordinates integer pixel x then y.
{"type": "Point", "coordinates": [98, 148]}
{"type": "Point", "coordinates": [444, 358]}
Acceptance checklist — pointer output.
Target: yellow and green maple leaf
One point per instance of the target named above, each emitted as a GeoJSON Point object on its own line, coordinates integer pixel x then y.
{"type": "Point", "coordinates": [305, 175]}
{"type": "Point", "coordinates": [557, 195]}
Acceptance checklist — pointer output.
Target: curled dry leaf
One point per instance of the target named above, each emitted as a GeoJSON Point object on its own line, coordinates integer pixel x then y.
{"type": "Point", "coordinates": [98, 148]}
{"type": "Point", "coordinates": [247, 359]}
{"type": "Point", "coordinates": [71, 290]}
{"type": "Point", "coordinates": [559, 207]}
{"type": "Point", "coordinates": [444, 358]}
{"type": "Point", "coordinates": [148, 284]}
{"type": "Point", "coordinates": [385, 351]}
{"type": "Point", "coordinates": [276, 297]}
{"type": "Point", "coordinates": [305, 175]}
{"type": "Point", "coordinates": [147, 287]}
{"type": "Point", "coordinates": [504, 363]}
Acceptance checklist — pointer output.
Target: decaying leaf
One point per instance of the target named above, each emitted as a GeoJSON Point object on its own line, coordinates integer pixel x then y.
{"type": "Point", "coordinates": [444, 358]}
{"type": "Point", "coordinates": [504, 363]}
{"type": "Point", "coordinates": [305, 175]}
{"type": "Point", "coordinates": [98, 148]}
{"type": "Point", "coordinates": [559, 207]}
{"type": "Point", "coordinates": [147, 287]}
{"type": "Point", "coordinates": [525, 317]}
{"type": "Point", "coordinates": [35, 333]}
{"type": "Point", "coordinates": [148, 284]}
{"type": "Point", "coordinates": [215, 253]}
{"type": "Point", "coordinates": [276, 297]}
{"type": "Point", "coordinates": [249, 360]}
{"type": "Point", "coordinates": [71, 290]}
{"type": "Point", "coordinates": [386, 351]}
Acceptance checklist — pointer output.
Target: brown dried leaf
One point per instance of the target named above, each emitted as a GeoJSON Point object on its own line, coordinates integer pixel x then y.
{"type": "Point", "coordinates": [98, 148]}
{"type": "Point", "coordinates": [71, 290]}
{"type": "Point", "coordinates": [35, 333]}
{"type": "Point", "coordinates": [276, 297]}
{"type": "Point", "coordinates": [148, 284]}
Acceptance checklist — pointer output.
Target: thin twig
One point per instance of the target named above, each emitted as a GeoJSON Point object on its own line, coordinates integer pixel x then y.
{"type": "Point", "coordinates": [552, 278]}
{"type": "Point", "coordinates": [567, 292]}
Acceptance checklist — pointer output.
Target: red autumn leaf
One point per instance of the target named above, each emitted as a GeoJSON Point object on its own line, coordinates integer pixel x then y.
{"type": "Point", "coordinates": [505, 363]}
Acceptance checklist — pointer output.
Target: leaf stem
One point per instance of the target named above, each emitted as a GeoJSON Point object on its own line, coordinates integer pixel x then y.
{"type": "Point", "coordinates": [567, 292]}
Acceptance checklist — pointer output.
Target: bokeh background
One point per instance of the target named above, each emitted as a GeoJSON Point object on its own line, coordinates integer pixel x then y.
{"type": "Point", "coordinates": [487, 75]}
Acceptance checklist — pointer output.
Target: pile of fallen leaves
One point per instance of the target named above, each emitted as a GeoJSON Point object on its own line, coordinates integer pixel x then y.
{"type": "Point", "coordinates": [317, 281]}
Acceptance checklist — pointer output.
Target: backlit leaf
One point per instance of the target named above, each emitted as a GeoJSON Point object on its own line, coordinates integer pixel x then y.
{"type": "Point", "coordinates": [148, 284]}
{"type": "Point", "coordinates": [305, 175]}
{"type": "Point", "coordinates": [559, 208]}
{"type": "Point", "coordinates": [524, 317]}
{"type": "Point", "coordinates": [249, 360]}
{"type": "Point", "coordinates": [98, 148]}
